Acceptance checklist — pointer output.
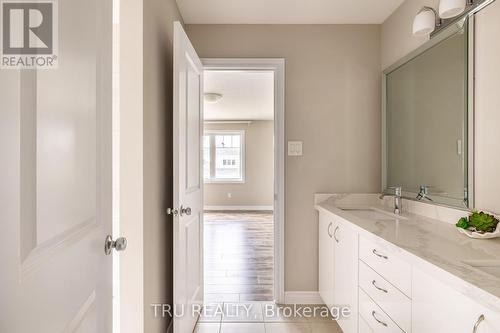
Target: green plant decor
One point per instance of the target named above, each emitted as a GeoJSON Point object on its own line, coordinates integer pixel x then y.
{"type": "Point", "coordinates": [478, 221]}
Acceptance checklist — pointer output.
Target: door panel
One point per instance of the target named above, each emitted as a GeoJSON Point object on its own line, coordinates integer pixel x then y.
{"type": "Point", "coordinates": [193, 126]}
{"type": "Point", "coordinates": [346, 274]}
{"type": "Point", "coordinates": [55, 146]}
{"type": "Point", "coordinates": [188, 185]}
{"type": "Point", "coordinates": [326, 259]}
{"type": "Point", "coordinates": [66, 127]}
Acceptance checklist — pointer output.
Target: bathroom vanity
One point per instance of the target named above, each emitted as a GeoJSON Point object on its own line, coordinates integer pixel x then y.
{"type": "Point", "coordinates": [411, 272]}
{"type": "Point", "coordinates": [405, 267]}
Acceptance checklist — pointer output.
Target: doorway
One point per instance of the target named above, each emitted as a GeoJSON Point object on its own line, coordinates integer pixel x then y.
{"type": "Point", "coordinates": [243, 180]}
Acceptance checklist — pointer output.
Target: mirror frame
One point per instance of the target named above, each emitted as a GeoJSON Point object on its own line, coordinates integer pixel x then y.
{"type": "Point", "coordinates": [466, 22]}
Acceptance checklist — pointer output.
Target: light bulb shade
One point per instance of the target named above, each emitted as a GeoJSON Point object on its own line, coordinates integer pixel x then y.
{"type": "Point", "coordinates": [451, 8]}
{"type": "Point", "coordinates": [424, 23]}
{"type": "Point", "coordinates": [212, 97]}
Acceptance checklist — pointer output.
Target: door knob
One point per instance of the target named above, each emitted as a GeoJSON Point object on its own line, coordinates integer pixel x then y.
{"type": "Point", "coordinates": [185, 210]}
{"type": "Point", "coordinates": [182, 211]}
{"type": "Point", "coordinates": [120, 244]}
{"type": "Point", "coordinates": [172, 211]}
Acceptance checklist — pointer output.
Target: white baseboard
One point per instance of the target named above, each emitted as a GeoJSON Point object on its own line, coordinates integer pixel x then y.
{"type": "Point", "coordinates": [238, 208]}
{"type": "Point", "coordinates": [302, 297]}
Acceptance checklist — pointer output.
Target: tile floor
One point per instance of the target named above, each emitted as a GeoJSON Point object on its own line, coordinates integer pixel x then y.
{"type": "Point", "coordinates": [264, 317]}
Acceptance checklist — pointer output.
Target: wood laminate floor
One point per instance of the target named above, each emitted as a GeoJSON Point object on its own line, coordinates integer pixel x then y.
{"type": "Point", "coordinates": [239, 256]}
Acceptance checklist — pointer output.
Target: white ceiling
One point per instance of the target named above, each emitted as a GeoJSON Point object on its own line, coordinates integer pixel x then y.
{"type": "Point", "coordinates": [247, 95]}
{"type": "Point", "coordinates": [286, 11]}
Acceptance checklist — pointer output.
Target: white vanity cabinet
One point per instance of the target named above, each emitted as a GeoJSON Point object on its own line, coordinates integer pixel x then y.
{"type": "Point", "coordinates": [338, 257]}
{"type": "Point", "coordinates": [346, 273]}
{"type": "Point", "coordinates": [439, 308]}
{"type": "Point", "coordinates": [326, 249]}
{"type": "Point", "coordinates": [394, 288]}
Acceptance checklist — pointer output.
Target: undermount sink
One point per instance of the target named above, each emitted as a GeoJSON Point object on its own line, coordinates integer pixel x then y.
{"type": "Point", "coordinates": [372, 214]}
{"type": "Point", "coordinates": [491, 267]}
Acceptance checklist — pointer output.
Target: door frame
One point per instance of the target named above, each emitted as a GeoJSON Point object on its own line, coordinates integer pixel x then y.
{"type": "Point", "coordinates": [277, 65]}
{"type": "Point", "coordinates": [128, 166]}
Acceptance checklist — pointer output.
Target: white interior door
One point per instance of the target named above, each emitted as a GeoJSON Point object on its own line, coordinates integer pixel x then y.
{"type": "Point", "coordinates": [55, 176]}
{"type": "Point", "coordinates": [188, 181]}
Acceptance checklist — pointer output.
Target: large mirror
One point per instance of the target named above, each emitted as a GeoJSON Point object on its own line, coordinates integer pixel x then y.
{"type": "Point", "coordinates": [425, 121]}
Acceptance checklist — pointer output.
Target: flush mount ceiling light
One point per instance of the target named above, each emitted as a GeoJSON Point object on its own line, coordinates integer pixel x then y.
{"type": "Point", "coordinates": [212, 97]}
{"type": "Point", "coordinates": [451, 8]}
{"type": "Point", "coordinates": [426, 21]}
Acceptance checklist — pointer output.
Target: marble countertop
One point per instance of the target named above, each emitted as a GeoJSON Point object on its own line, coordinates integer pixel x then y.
{"type": "Point", "coordinates": [428, 244]}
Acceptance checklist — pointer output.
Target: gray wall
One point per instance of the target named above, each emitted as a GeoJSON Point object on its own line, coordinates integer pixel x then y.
{"type": "Point", "coordinates": [332, 104]}
{"type": "Point", "coordinates": [258, 188]}
{"type": "Point", "coordinates": [159, 16]}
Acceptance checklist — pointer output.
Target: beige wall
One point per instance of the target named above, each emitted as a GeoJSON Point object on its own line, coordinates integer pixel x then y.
{"type": "Point", "coordinates": [159, 16]}
{"type": "Point", "coordinates": [259, 168]}
{"type": "Point", "coordinates": [332, 104]}
{"type": "Point", "coordinates": [397, 41]}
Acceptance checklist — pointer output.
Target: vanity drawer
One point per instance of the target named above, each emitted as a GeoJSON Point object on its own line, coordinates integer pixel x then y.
{"type": "Point", "coordinates": [363, 326]}
{"type": "Point", "coordinates": [374, 316]}
{"type": "Point", "coordinates": [386, 263]}
{"type": "Point", "coordinates": [396, 304]}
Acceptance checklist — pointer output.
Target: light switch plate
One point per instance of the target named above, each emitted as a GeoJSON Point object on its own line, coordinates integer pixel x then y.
{"type": "Point", "coordinates": [294, 148]}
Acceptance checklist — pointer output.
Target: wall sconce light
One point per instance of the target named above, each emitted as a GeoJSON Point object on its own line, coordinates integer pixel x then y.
{"type": "Point", "coordinates": [426, 21]}
{"type": "Point", "coordinates": [452, 8]}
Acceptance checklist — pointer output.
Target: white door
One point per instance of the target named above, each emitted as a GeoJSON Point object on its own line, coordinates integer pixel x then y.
{"type": "Point", "coordinates": [188, 181]}
{"type": "Point", "coordinates": [55, 176]}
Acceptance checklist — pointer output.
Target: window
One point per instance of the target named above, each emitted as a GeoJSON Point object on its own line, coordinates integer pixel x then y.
{"type": "Point", "coordinates": [223, 156]}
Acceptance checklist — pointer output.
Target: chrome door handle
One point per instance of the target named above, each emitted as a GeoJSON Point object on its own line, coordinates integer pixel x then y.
{"type": "Point", "coordinates": [185, 210]}
{"type": "Point", "coordinates": [329, 228]}
{"type": "Point", "coordinates": [381, 289]}
{"type": "Point", "coordinates": [172, 211]}
{"type": "Point", "coordinates": [378, 320]}
{"type": "Point", "coordinates": [379, 255]}
{"type": "Point", "coordinates": [335, 234]}
{"type": "Point", "coordinates": [120, 244]}
{"type": "Point", "coordinates": [478, 322]}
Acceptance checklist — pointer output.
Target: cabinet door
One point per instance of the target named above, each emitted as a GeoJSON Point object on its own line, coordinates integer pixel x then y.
{"type": "Point", "coordinates": [441, 309]}
{"type": "Point", "coordinates": [346, 274]}
{"type": "Point", "coordinates": [326, 258]}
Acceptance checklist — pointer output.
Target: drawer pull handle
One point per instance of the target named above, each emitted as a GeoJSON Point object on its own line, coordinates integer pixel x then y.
{"type": "Point", "coordinates": [329, 228]}
{"type": "Point", "coordinates": [335, 234]}
{"type": "Point", "coordinates": [478, 322]}
{"type": "Point", "coordinates": [381, 289]}
{"type": "Point", "coordinates": [378, 320]}
{"type": "Point", "coordinates": [379, 255]}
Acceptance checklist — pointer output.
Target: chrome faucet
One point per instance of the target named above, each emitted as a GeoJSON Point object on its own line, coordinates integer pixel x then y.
{"type": "Point", "coordinates": [424, 193]}
{"type": "Point", "coordinates": [398, 199]}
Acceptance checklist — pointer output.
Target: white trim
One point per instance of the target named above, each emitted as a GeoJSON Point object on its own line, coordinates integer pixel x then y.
{"type": "Point", "coordinates": [277, 65]}
{"type": "Point", "coordinates": [303, 297]}
{"type": "Point", "coordinates": [131, 169]}
{"type": "Point", "coordinates": [208, 208]}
